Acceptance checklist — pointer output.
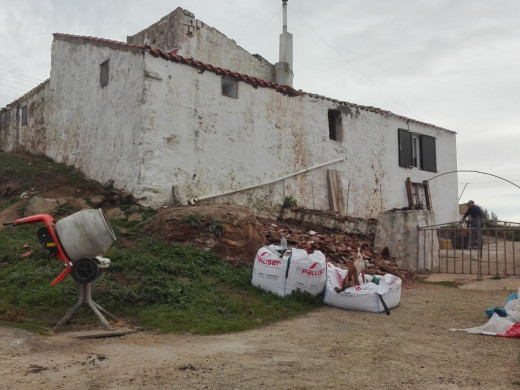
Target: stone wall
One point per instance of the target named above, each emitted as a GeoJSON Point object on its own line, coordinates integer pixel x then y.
{"type": "Point", "coordinates": [189, 37]}
{"type": "Point", "coordinates": [15, 135]}
{"type": "Point", "coordinates": [397, 230]}
{"type": "Point", "coordinates": [365, 228]}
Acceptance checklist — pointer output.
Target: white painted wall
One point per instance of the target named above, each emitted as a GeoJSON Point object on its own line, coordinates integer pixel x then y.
{"type": "Point", "coordinates": [92, 128]}
{"type": "Point", "coordinates": [206, 143]}
{"type": "Point", "coordinates": [397, 231]}
{"type": "Point", "coordinates": [160, 124]}
{"type": "Point", "coordinates": [444, 189]}
{"type": "Point", "coordinates": [15, 136]}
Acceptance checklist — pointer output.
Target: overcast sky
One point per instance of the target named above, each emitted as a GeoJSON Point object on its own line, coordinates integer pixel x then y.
{"type": "Point", "coordinates": [451, 63]}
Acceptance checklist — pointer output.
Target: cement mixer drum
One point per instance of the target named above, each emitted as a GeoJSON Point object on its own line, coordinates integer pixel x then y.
{"type": "Point", "coordinates": [85, 234]}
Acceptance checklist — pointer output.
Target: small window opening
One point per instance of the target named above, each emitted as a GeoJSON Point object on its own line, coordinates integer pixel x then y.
{"type": "Point", "coordinates": [230, 88]}
{"type": "Point", "coordinates": [24, 115]}
{"type": "Point", "coordinates": [419, 195]}
{"type": "Point", "coordinates": [103, 74]}
{"type": "Point", "coordinates": [335, 125]}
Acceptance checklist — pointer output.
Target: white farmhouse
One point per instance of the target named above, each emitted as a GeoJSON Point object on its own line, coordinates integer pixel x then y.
{"type": "Point", "coordinates": [180, 112]}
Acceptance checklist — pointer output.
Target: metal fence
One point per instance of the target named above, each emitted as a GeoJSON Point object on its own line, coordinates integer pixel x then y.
{"type": "Point", "coordinates": [478, 247]}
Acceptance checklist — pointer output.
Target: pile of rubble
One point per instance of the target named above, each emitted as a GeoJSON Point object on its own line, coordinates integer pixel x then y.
{"type": "Point", "coordinates": [339, 249]}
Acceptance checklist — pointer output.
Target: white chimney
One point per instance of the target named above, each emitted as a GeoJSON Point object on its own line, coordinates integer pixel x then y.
{"type": "Point", "coordinates": [283, 70]}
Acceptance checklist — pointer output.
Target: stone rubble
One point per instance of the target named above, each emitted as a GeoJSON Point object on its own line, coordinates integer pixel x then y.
{"type": "Point", "coordinates": [339, 249]}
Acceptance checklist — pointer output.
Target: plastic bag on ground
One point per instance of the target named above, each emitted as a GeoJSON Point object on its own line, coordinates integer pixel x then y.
{"type": "Point", "coordinates": [499, 325]}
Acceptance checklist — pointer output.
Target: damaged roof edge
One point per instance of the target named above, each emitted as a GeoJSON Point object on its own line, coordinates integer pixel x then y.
{"type": "Point", "coordinates": [26, 95]}
{"type": "Point", "coordinates": [255, 82]}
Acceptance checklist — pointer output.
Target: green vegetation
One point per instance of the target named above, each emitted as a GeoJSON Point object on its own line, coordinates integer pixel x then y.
{"type": "Point", "coordinates": [40, 171]}
{"type": "Point", "coordinates": [289, 202]}
{"type": "Point", "coordinates": [193, 220]}
{"type": "Point", "coordinates": [445, 283]}
{"type": "Point", "coordinates": [156, 285]}
{"type": "Point", "coordinates": [150, 284]}
{"type": "Point", "coordinates": [216, 227]}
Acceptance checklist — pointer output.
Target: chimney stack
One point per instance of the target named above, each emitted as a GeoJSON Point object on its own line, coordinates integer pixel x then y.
{"type": "Point", "coordinates": [284, 68]}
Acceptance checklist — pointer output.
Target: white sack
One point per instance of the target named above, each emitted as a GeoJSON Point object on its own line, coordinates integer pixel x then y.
{"type": "Point", "coordinates": [269, 270]}
{"type": "Point", "coordinates": [364, 297]}
{"type": "Point", "coordinates": [283, 275]}
{"type": "Point", "coordinates": [512, 309]}
{"type": "Point", "coordinates": [306, 272]}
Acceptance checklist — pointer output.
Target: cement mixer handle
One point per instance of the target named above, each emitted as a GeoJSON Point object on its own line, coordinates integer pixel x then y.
{"type": "Point", "coordinates": [46, 218]}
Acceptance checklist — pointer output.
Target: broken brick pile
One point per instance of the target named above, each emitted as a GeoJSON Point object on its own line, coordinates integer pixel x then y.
{"type": "Point", "coordinates": [339, 249]}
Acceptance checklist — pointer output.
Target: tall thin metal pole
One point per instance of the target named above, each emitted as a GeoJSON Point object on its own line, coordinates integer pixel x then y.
{"type": "Point", "coordinates": [284, 15]}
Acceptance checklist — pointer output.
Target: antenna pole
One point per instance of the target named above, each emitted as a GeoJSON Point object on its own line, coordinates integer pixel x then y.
{"type": "Point", "coordinates": [284, 15]}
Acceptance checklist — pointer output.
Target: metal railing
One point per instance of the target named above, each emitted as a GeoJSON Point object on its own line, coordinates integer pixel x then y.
{"type": "Point", "coordinates": [479, 247]}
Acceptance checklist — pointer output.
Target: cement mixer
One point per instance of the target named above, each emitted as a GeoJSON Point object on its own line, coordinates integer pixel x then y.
{"type": "Point", "coordinates": [78, 240]}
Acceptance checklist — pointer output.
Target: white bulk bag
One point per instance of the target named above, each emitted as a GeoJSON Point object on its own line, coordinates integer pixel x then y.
{"type": "Point", "coordinates": [284, 274]}
{"type": "Point", "coordinates": [269, 270]}
{"type": "Point", "coordinates": [307, 272]}
{"type": "Point", "coordinates": [364, 297]}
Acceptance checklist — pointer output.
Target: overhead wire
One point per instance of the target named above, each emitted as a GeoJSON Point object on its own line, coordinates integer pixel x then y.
{"type": "Point", "coordinates": [9, 86]}
{"type": "Point", "coordinates": [22, 76]}
{"type": "Point", "coordinates": [17, 81]}
{"type": "Point", "coordinates": [351, 64]}
{"type": "Point", "coordinates": [488, 182]}
{"type": "Point", "coordinates": [265, 26]}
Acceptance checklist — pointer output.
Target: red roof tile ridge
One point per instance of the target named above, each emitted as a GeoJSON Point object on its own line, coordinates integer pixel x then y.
{"type": "Point", "coordinates": [173, 56]}
{"type": "Point", "coordinates": [375, 110]}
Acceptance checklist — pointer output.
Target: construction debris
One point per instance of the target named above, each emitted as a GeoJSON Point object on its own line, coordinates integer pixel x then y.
{"type": "Point", "coordinates": [339, 249]}
{"type": "Point", "coordinates": [242, 234]}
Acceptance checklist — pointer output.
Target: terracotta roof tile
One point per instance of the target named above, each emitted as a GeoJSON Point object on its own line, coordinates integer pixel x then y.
{"type": "Point", "coordinates": [173, 56]}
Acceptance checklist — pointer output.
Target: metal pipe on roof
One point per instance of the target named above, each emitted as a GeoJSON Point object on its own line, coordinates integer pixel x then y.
{"type": "Point", "coordinates": [284, 15]}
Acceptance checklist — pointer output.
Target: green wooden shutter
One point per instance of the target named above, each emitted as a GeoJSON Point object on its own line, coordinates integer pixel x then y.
{"type": "Point", "coordinates": [428, 154]}
{"type": "Point", "coordinates": [405, 148]}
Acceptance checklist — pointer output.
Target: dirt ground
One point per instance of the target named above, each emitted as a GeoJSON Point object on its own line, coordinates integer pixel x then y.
{"type": "Point", "coordinates": [329, 348]}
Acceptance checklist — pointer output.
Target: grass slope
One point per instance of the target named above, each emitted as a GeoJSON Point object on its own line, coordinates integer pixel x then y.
{"type": "Point", "coordinates": [149, 284]}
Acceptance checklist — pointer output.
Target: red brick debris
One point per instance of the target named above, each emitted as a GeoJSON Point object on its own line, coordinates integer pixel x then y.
{"type": "Point", "coordinates": [339, 249]}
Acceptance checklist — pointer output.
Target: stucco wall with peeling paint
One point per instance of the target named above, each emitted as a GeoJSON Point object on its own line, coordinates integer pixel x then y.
{"type": "Point", "coordinates": [96, 129]}
{"type": "Point", "coordinates": [206, 143]}
{"type": "Point", "coordinates": [159, 125]}
{"type": "Point", "coordinates": [181, 32]}
{"type": "Point", "coordinates": [17, 136]}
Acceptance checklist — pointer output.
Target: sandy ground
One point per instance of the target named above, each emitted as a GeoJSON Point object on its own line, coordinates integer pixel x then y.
{"type": "Point", "coordinates": [329, 348]}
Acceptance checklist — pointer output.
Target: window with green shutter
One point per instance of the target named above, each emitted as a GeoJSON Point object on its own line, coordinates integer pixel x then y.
{"type": "Point", "coordinates": [417, 151]}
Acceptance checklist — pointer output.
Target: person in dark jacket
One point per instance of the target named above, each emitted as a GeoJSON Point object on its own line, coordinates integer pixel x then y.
{"type": "Point", "coordinates": [476, 216]}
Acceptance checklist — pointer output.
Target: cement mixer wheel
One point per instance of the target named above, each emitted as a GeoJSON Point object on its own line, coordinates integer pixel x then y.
{"type": "Point", "coordinates": [85, 271]}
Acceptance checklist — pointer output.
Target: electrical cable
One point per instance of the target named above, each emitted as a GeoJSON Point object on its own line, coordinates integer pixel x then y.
{"type": "Point", "coordinates": [261, 31]}
{"type": "Point", "coordinates": [352, 65]}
